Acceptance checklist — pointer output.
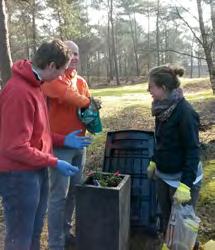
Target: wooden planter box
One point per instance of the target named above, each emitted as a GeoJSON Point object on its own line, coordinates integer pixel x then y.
{"type": "Point", "coordinates": [103, 216]}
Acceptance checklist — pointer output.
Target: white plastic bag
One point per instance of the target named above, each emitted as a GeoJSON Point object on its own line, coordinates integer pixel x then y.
{"type": "Point", "coordinates": [182, 228]}
{"type": "Point", "coordinates": [210, 245]}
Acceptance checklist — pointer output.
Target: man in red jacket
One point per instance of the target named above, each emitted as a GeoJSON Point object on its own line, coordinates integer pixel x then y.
{"type": "Point", "coordinates": [26, 145]}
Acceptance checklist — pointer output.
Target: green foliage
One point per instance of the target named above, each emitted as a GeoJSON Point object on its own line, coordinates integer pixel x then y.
{"type": "Point", "coordinates": [106, 180]}
{"type": "Point", "coordinates": [136, 6]}
{"type": "Point", "coordinates": [71, 18]}
{"type": "Point", "coordinates": [23, 35]}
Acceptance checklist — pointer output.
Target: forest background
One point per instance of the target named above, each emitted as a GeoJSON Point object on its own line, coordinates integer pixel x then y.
{"type": "Point", "coordinates": [119, 40]}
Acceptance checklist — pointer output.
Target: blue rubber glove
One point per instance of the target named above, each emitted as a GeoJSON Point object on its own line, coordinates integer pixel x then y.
{"type": "Point", "coordinates": [73, 141]}
{"type": "Point", "coordinates": [66, 168]}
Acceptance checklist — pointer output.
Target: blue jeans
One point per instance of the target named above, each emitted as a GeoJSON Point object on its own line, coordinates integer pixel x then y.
{"type": "Point", "coordinates": [24, 197]}
{"type": "Point", "coordinates": [61, 197]}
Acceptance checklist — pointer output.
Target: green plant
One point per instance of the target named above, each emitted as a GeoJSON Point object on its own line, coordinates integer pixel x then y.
{"type": "Point", "coordinates": [105, 180]}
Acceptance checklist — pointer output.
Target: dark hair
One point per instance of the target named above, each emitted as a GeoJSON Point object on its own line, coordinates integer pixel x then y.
{"type": "Point", "coordinates": [166, 75]}
{"type": "Point", "coordinates": [55, 51]}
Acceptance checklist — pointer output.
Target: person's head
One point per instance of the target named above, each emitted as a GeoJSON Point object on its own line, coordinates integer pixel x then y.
{"type": "Point", "coordinates": [51, 59]}
{"type": "Point", "coordinates": [163, 80]}
{"type": "Point", "coordinates": [74, 53]}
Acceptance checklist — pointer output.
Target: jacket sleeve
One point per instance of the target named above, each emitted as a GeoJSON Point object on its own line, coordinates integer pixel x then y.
{"type": "Point", "coordinates": [17, 123]}
{"type": "Point", "coordinates": [58, 140]}
{"type": "Point", "coordinates": [87, 91]}
{"type": "Point", "coordinates": [65, 93]}
{"type": "Point", "coordinates": [189, 134]}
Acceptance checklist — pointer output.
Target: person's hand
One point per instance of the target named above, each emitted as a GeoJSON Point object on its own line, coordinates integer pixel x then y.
{"type": "Point", "coordinates": [72, 140]}
{"type": "Point", "coordinates": [182, 193]}
{"type": "Point", "coordinates": [151, 169]}
{"type": "Point", "coordinates": [66, 168]}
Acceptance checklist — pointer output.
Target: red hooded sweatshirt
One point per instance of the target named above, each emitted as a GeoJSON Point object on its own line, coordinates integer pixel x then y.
{"type": "Point", "coordinates": [25, 139]}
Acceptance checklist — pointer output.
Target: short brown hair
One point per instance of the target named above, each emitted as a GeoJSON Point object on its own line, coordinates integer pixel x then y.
{"type": "Point", "coordinates": [55, 51]}
{"type": "Point", "coordinates": [166, 75]}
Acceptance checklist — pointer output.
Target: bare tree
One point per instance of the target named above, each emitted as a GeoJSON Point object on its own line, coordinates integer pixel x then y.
{"type": "Point", "coordinates": [110, 54]}
{"type": "Point", "coordinates": [5, 56]}
{"type": "Point", "coordinates": [205, 41]}
{"type": "Point", "coordinates": [34, 35]}
{"type": "Point", "coordinates": [206, 46]}
{"type": "Point", "coordinates": [134, 40]}
{"type": "Point", "coordinates": [212, 6]}
{"type": "Point", "coordinates": [158, 32]}
{"type": "Point", "coordinates": [148, 37]}
{"type": "Point", "coordinates": [113, 42]}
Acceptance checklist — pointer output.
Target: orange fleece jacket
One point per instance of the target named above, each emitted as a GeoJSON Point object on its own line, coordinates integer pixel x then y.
{"type": "Point", "coordinates": [66, 94]}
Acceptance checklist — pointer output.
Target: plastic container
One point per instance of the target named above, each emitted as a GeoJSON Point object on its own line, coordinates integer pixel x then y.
{"type": "Point", "coordinates": [130, 151]}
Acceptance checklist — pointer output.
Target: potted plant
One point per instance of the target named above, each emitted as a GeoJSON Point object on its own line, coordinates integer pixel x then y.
{"type": "Point", "coordinates": [103, 212]}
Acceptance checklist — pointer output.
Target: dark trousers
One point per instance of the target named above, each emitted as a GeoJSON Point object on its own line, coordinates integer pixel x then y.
{"type": "Point", "coordinates": [165, 198]}
{"type": "Point", "coordinates": [24, 197]}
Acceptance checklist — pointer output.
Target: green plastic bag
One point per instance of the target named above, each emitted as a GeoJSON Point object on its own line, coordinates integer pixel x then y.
{"type": "Point", "coordinates": [90, 117]}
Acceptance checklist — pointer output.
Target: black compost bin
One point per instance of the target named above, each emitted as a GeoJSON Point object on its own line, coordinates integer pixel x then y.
{"type": "Point", "coordinates": [130, 152]}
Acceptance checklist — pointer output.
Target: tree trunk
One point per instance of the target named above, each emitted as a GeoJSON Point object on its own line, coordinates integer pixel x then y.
{"type": "Point", "coordinates": [191, 63]}
{"type": "Point", "coordinates": [59, 22]}
{"type": "Point", "coordinates": [199, 67]}
{"type": "Point", "coordinates": [113, 43]}
{"type": "Point", "coordinates": [199, 61]}
{"type": "Point", "coordinates": [212, 5]}
{"type": "Point", "coordinates": [148, 38]}
{"type": "Point", "coordinates": [166, 58]}
{"type": "Point", "coordinates": [125, 69]}
{"type": "Point", "coordinates": [5, 56]}
{"type": "Point", "coordinates": [206, 46]}
{"type": "Point", "coordinates": [110, 60]}
{"type": "Point", "coordinates": [26, 33]}
{"type": "Point", "coordinates": [98, 73]}
{"type": "Point", "coordinates": [136, 45]}
{"type": "Point", "coordinates": [158, 33]}
{"type": "Point", "coordinates": [34, 30]}
{"type": "Point", "coordinates": [88, 71]}
{"type": "Point", "coordinates": [134, 41]}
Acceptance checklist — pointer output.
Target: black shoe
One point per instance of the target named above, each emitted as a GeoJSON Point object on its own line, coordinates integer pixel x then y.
{"type": "Point", "coordinates": [196, 246]}
{"type": "Point", "coordinates": [70, 240]}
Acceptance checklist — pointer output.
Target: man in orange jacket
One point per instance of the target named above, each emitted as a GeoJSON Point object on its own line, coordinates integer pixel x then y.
{"type": "Point", "coordinates": [65, 95]}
